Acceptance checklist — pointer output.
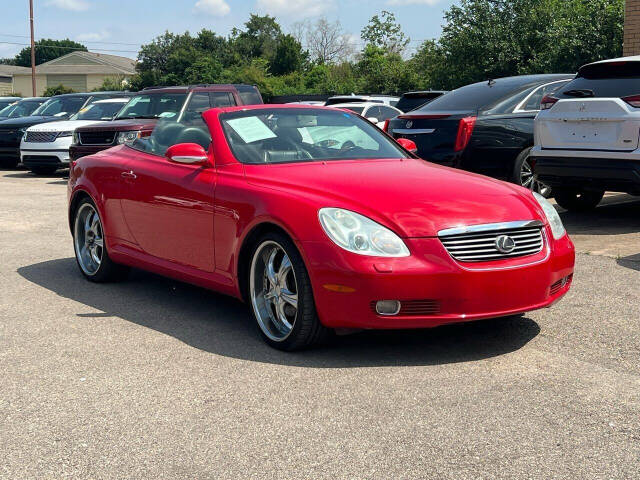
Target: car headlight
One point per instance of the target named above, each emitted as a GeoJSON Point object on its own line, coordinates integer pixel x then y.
{"type": "Point", "coordinates": [65, 134]}
{"type": "Point", "coordinates": [22, 132]}
{"type": "Point", "coordinates": [76, 138]}
{"type": "Point", "coordinates": [557, 228]}
{"type": "Point", "coordinates": [128, 137]}
{"type": "Point", "coordinates": [359, 234]}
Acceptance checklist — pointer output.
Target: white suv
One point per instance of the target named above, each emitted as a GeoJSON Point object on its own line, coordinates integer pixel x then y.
{"type": "Point", "coordinates": [45, 147]}
{"type": "Point", "coordinates": [587, 134]}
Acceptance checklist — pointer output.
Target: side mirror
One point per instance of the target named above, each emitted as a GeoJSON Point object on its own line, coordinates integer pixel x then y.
{"type": "Point", "coordinates": [187, 153]}
{"type": "Point", "coordinates": [373, 120]}
{"type": "Point", "coordinates": [408, 144]}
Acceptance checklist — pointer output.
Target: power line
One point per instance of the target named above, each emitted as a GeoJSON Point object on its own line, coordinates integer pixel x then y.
{"type": "Point", "coordinates": [80, 41]}
{"type": "Point", "coordinates": [68, 48]}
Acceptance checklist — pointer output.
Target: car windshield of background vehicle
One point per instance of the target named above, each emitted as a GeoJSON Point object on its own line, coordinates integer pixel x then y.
{"type": "Point", "coordinates": [98, 111]}
{"type": "Point", "coordinates": [153, 105]}
{"type": "Point", "coordinates": [60, 106]}
{"type": "Point", "coordinates": [19, 109]}
{"type": "Point", "coordinates": [357, 110]}
{"type": "Point", "coordinates": [304, 135]}
{"type": "Point", "coordinates": [600, 87]}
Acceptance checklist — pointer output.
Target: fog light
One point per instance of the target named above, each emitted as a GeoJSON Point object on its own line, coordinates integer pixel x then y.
{"type": "Point", "coordinates": [388, 307]}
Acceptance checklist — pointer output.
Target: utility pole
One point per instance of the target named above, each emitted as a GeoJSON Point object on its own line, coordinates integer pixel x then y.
{"type": "Point", "coordinates": [33, 50]}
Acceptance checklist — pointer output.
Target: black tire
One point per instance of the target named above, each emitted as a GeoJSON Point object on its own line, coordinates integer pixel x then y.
{"type": "Point", "coordinates": [517, 175]}
{"type": "Point", "coordinates": [307, 330]}
{"type": "Point", "coordinates": [9, 162]}
{"type": "Point", "coordinates": [43, 170]}
{"type": "Point", "coordinates": [108, 271]}
{"type": "Point", "coordinates": [576, 200]}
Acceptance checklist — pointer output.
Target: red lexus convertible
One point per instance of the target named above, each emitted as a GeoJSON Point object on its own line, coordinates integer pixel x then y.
{"type": "Point", "coordinates": [318, 220]}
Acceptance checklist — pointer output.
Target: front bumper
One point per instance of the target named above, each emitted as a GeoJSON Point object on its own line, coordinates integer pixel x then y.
{"type": "Point", "coordinates": [435, 288]}
{"type": "Point", "coordinates": [612, 174]}
{"type": "Point", "coordinates": [34, 154]}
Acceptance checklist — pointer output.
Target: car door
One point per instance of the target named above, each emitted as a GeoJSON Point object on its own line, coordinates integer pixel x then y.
{"type": "Point", "coordinates": [168, 206]}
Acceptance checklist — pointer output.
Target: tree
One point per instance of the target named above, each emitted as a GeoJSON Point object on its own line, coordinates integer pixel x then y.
{"type": "Point", "coordinates": [493, 38]}
{"type": "Point", "coordinates": [46, 50]}
{"type": "Point", "coordinates": [258, 39]}
{"type": "Point", "coordinates": [288, 56]}
{"type": "Point", "coordinates": [385, 33]}
{"type": "Point", "coordinates": [326, 42]}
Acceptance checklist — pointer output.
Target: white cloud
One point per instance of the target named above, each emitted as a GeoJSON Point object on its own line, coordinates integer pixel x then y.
{"type": "Point", "coordinates": [412, 2]}
{"type": "Point", "coordinates": [93, 36]}
{"type": "Point", "coordinates": [216, 8]}
{"type": "Point", "coordinates": [74, 5]}
{"type": "Point", "coordinates": [295, 8]}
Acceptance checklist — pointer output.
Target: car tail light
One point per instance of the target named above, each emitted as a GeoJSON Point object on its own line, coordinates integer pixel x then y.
{"type": "Point", "coordinates": [465, 129]}
{"type": "Point", "coordinates": [547, 102]}
{"type": "Point", "coordinates": [386, 125]}
{"type": "Point", "coordinates": [633, 100]}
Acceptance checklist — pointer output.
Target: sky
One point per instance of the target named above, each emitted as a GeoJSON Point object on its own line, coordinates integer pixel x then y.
{"type": "Point", "coordinates": [119, 27]}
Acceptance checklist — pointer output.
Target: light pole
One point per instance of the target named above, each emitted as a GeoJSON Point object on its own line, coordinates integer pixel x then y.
{"type": "Point", "coordinates": [33, 50]}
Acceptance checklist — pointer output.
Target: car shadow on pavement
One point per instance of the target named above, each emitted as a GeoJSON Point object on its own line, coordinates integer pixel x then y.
{"type": "Point", "coordinates": [630, 261]}
{"type": "Point", "coordinates": [617, 214]}
{"type": "Point", "coordinates": [222, 325]}
{"type": "Point", "coordinates": [59, 174]}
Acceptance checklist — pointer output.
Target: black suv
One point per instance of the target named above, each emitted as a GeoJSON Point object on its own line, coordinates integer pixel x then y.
{"type": "Point", "coordinates": [485, 127]}
{"type": "Point", "coordinates": [59, 107]}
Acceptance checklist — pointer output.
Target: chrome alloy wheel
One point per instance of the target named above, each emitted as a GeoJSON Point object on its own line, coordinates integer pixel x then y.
{"type": "Point", "coordinates": [529, 179]}
{"type": "Point", "coordinates": [88, 239]}
{"type": "Point", "coordinates": [273, 290]}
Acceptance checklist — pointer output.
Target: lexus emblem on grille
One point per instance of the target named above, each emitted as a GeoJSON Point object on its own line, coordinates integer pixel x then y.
{"type": "Point", "coordinates": [505, 244]}
{"type": "Point", "coordinates": [409, 124]}
{"type": "Point", "coordinates": [582, 107]}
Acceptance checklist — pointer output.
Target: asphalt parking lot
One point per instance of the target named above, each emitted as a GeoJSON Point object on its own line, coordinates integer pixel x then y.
{"type": "Point", "coordinates": [152, 378]}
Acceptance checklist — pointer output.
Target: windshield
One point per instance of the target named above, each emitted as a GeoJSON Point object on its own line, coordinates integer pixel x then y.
{"type": "Point", "coordinates": [20, 109]}
{"type": "Point", "coordinates": [357, 110]}
{"type": "Point", "coordinates": [153, 105]}
{"type": "Point", "coordinates": [60, 107]}
{"type": "Point", "coordinates": [99, 111]}
{"type": "Point", "coordinates": [304, 135]}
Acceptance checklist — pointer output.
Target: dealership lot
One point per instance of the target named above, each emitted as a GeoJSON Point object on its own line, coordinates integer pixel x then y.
{"type": "Point", "coordinates": [152, 378]}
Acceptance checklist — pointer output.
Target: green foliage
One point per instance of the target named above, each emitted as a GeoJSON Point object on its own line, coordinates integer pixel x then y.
{"type": "Point", "coordinates": [493, 38]}
{"type": "Point", "coordinates": [57, 90]}
{"type": "Point", "coordinates": [113, 84]}
{"type": "Point", "coordinates": [385, 33]}
{"type": "Point", "coordinates": [46, 50]}
{"type": "Point", "coordinates": [480, 39]}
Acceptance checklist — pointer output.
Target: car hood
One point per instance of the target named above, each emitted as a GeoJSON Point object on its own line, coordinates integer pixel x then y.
{"type": "Point", "coordinates": [63, 126]}
{"type": "Point", "coordinates": [413, 197]}
{"type": "Point", "coordinates": [22, 122]}
{"type": "Point", "coordinates": [122, 125]}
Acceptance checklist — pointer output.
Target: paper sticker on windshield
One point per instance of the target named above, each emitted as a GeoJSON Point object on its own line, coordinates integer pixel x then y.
{"type": "Point", "coordinates": [251, 129]}
{"type": "Point", "coordinates": [167, 114]}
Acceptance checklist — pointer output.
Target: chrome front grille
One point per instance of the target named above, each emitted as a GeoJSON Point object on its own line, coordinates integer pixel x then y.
{"type": "Point", "coordinates": [96, 138]}
{"type": "Point", "coordinates": [41, 137]}
{"type": "Point", "coordinates": [497, 241]}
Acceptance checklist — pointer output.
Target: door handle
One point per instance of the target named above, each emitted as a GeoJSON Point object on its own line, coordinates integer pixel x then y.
{"type": "Point", "coordinates": [129, 174]}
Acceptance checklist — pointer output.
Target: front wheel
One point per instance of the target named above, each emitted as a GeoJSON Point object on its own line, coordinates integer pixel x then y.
{"type": "Point", "coordinates": [576, 200]}
{"type": "Point", "coordinates": [9, 162]}
{"type": "Point", "coordinates": [90, 246]}
{"type": "Point", "coordinates": [525, 175]}
{"type": "Point", "coordinates": [281, 295]}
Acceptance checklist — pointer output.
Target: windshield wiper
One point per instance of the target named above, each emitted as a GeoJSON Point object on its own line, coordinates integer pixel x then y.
{"type": "Point", "coordinates": [580, 93]}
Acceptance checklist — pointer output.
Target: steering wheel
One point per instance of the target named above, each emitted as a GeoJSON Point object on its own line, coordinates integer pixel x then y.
{"type": "Point", "coordinates": [348, 145]}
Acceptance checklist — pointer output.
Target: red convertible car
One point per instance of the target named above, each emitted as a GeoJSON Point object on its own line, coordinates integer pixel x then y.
{"type": "Point", "coordinates": [319, 221]}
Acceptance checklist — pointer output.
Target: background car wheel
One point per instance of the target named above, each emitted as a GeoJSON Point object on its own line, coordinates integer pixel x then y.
{"type": "Point", "coordinates": [281, 296]}
{"type": "Point", "coordinates": [43, 170]}
{"type": "Point", "coordinates": [576, 200]}
{"type": "Point", "coordinates": [524, 174]}
{"type": "Point", "coordinates": [8, 162]}
{"type": "Point", "coordinates": [90, 246]}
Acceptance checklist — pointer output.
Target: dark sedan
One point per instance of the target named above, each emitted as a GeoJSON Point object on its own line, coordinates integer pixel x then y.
{"type": "Point", "coordinates": [485, 127]}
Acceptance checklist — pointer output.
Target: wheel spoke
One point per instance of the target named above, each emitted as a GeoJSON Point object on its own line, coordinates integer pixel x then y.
{"type": "Point", "coordinates": [87, 222]}
{"type": "Point", "coordinates": [282, 317]}
{"type": "Point", "coordinates": [270, 267]}
{"type": "Point", "coordinates": [285, 268]}
{"type": "Point", "coordinates": [98, 242]}
{"type": "Point", "coordinates": [528, 182]}
{"type": "Point", "coordinates": [289, 297]}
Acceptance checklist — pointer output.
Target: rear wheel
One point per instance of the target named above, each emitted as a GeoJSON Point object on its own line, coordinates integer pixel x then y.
{"type": "Point", "coordinates": [524, 174]}
{"type": "Point", "coordinates": [576, 200]}
{"type": "Point", "coordinates": [90, 246]}
{"type": "Point", "coordinates": [43, 170]}
{"type": "Point", "coordinates": [281, 295]}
